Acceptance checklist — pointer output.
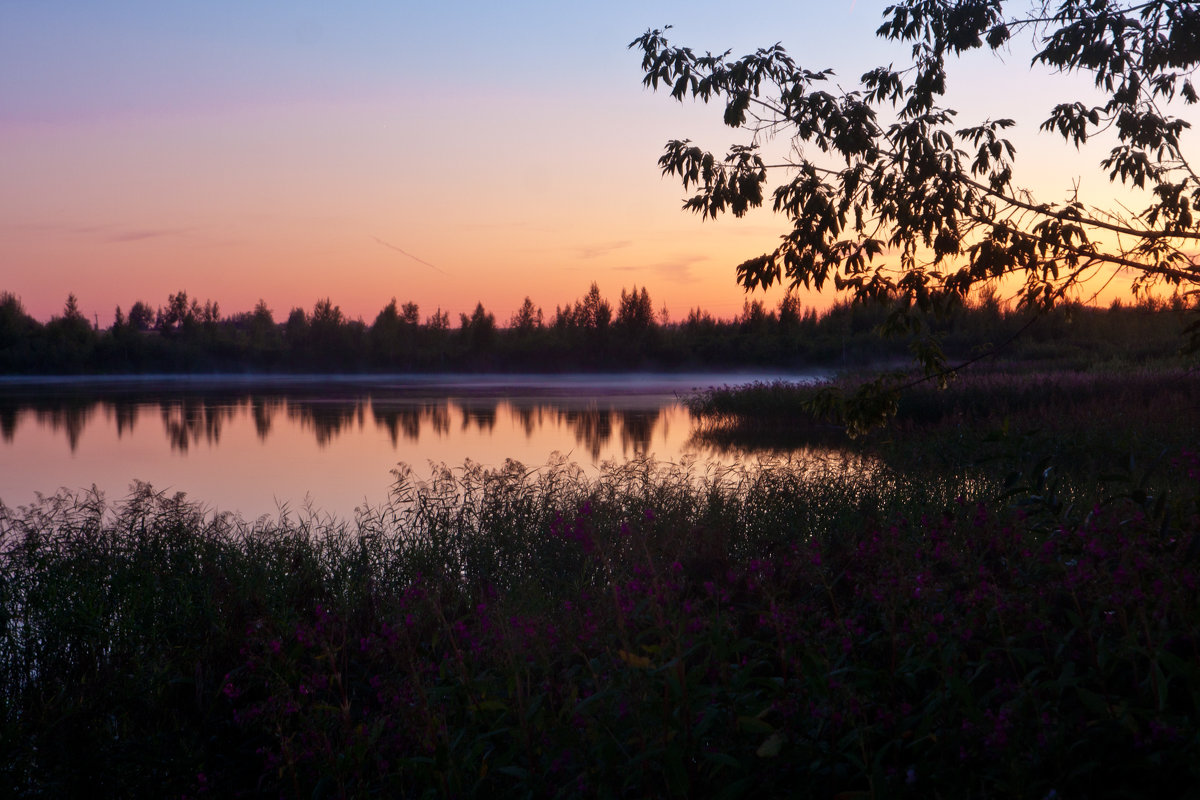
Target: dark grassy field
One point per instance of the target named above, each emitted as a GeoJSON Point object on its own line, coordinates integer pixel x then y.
{"type": "Point", "coordinates": [1003, 601]}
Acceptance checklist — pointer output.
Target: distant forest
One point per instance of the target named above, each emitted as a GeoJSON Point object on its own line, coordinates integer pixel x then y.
{"type": "Point", "coordinates": [591, 334]}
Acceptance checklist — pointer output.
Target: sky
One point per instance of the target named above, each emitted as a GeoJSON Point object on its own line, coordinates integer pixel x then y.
{"type": "Point", "coordinates": [441, 153]}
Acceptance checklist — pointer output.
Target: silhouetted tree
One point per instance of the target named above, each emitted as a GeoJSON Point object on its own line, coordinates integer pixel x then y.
{"type": "Point", "coordinates": [70, 337]}
{"type": "Point", "coordinates": [141, 316]}
{"type": "Point", "coordinates": [593, 311]}
{"type": "Point", "coordinates": [71, 312]}
{"type": "Point", "coordinates": [790, 310]}
{"type": "Point", "coordinates": [295, 330]}
{"type": "Point", "coordinates": [394, 333]}
{"type": "Point", "coordinates": [211, 313]}
{"type": "Point", "coordinates": [637, 335]}
{"type": "Point", "coordinates": [15, 324]}
{"type": "Point", "coordinates": [698, 318]}
{"type": "Point", "coordinates": [386, 335]}
{"type": "Point", "coordinates": [331, 337]}
{"type": "Point", "coordinates": [890, 197]}
{"type": "Point", "coordinates": [478, 331]}
{"type": "Point", "coordinates": [19, 335]}
{"type": "Point", "coordinates": [388, 316]}
{"type": "Point", "coordinates": [635, 313]}
{"type": "Point", "coordinates": [755, 318]}
{"type": "Point", "coordinates": [326, 315]}
{"type": "Point", "coordinates": [435, 340]}
{"type": "Point", "coordinates": [265, 337]}
{"type": "Point", "coordinates": [527, 318]}
{"type": "Point", "coordinates": [178, 314]}
{"type": "Point", "coordinates": [412, 313]}
{"type": "Point", "coordinates": [262, 315]}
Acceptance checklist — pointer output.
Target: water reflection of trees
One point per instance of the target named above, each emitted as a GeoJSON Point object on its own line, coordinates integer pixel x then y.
{"type": "Point", "coordinates": [637, 430]}
{"type": "Point", "coordinates": [263, 409]}
{"type": "Point", "coordinates": [481, 413]}
{"type": "Point", "coordinates": [593, 427]}
{"type": "Point", "coordinates": [403, 421]}
{"type": "Point", "coordinates": [530, 417]}
{"type": "Point", "coordinates": [406, 418]}
{"type": "Point", "coordinates": [8, 421]}
{"type": "Point", "coordinates": [327, 419]}
{"type": "Point", "coordinates": [187, 421]}
{"type": "Point", "coordinates": [124, 416]}
{"type": "Point", "coordinates": [69, 415]}
{"type": "Point", "coordinates": [190, 419]}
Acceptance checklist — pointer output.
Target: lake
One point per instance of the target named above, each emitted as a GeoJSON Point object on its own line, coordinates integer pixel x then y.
{"type": "Point", "coordinates": [257, 444]}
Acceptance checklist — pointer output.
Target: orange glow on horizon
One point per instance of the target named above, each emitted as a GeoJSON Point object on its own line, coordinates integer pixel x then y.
{"type": "Point", "coordinates": [362, 170]}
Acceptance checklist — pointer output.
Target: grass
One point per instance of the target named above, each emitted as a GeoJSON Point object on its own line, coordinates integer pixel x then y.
{"type": "Point", "coordinates": [1012, 627]}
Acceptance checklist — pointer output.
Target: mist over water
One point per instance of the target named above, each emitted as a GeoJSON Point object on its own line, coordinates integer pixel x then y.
{"type": "Point", "coordinates": [256, 445]}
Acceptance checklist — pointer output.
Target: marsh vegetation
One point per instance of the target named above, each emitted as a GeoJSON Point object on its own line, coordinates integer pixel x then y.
{"type": "Point", "coordinates": [1000, 624]}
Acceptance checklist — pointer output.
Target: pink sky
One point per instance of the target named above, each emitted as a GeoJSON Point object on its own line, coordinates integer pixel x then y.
{"type": "Point", "coordinates": [293, 151]}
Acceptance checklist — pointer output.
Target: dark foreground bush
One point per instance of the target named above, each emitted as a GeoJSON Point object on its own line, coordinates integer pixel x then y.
{"type": "Point", "coordinates": [646, 633]}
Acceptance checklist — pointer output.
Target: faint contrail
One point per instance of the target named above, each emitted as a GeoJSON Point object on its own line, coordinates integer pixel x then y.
{"type": "Point", "coordinates": [410, 255]}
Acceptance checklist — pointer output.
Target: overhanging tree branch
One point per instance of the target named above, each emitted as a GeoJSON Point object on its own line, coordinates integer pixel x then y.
{"type": "Point", "coordinates": [922, 212]}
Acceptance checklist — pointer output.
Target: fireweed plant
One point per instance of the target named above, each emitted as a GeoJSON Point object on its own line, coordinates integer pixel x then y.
{"type": "Point", "coordinates": [654, 630]}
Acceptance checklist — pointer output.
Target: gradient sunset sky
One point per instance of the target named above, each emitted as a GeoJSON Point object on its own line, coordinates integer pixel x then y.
{"type": "Point", "coordinates": [444, 153]}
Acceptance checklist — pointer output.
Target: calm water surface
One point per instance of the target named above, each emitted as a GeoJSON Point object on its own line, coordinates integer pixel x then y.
{"type": "Point", "coordinates": [257, 445]}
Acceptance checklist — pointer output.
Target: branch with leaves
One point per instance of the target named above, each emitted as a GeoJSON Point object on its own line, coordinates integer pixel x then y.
{"type": "Point", "coordinates": [889, 198]}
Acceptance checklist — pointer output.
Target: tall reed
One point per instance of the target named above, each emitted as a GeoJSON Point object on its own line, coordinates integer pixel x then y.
{"type": "Point", "coordinates": [652, 629]}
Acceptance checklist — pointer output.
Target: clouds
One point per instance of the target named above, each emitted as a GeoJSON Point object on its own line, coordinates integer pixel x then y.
{"type": "Point", "coordinates": [590, 251]}
{"type": "Point", "coordinates": [677, 269]}
{"type": "Point", "coordinates": [631, 256]}
{"type": "Point", "coordinates": [118, 234]}
{"type": "Point", "coordinates": [104, 234]}
{"type": "Point", "coordinates": [142, 234]}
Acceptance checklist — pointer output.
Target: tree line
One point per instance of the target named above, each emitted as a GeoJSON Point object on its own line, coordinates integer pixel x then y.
{"type": "Point", "coordinates": [591, 333]}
